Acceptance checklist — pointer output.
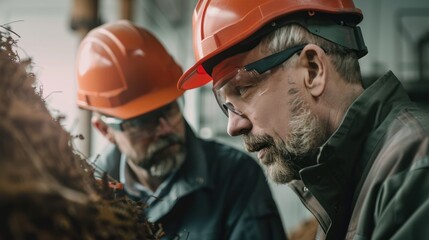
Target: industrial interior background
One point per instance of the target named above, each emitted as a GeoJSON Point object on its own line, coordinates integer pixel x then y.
{"type": "Point", "coordinates": [396, 33]}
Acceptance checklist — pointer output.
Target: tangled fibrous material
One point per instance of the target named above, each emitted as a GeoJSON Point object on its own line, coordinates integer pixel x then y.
{"type": "Point", "coordinates": [47, 190]}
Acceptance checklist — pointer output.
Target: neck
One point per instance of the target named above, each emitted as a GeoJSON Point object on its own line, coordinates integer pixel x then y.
{"type": "Point", "coordinates": [144, 177]}
{"type": "Point", "coordinates": [348, 95]}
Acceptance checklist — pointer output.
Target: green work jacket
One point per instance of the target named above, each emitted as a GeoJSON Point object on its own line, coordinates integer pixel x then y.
{"type": "Point", "coordinates": [372, 176]}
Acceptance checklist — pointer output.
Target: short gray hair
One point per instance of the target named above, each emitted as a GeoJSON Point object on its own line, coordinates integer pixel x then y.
{"type": "Point", "coordinates": [344, 60]}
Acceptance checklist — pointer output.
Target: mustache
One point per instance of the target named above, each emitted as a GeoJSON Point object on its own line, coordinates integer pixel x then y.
{"type": "Point", "coordinates": [164, 142]}
{"type": "Point", "coordinates": [255, 143]}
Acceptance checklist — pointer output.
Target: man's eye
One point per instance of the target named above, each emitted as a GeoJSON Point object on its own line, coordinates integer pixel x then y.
{"type": "Point", "coordinates": [242, 90]}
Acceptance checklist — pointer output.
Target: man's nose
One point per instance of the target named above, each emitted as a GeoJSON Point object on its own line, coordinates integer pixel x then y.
{"type": "Point", "coordinates": [238, 125]}
{"type": "Point", "coordinates": [163, 128]}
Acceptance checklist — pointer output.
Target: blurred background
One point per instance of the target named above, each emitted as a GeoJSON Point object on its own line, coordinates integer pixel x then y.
{"type": "Point", "coordinates": [396, 33]}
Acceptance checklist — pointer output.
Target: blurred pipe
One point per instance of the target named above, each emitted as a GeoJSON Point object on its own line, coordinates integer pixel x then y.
{"type": "Point", "coordinates": [422, 44]}
{"type": "Point", "coordinates": [84, 17]}
{"type": "Point", "coordinates": [402, 30]}
{"type": "Point", "coordinates": [126, 10]}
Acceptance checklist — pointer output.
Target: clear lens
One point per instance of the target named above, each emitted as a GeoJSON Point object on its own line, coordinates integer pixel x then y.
{"type": "Point", "coordinates": [144, 126]}
{"type": "Point", "coordinates": [235, 87]}
{"type": "Point", "coordinates": [239, 85]}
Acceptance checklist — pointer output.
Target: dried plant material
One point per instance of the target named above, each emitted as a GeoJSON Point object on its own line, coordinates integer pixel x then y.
{"type": "Point", "coordinates": [47, 191]}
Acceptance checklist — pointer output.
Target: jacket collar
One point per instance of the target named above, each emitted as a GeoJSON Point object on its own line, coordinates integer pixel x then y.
{"type": "Point", "coordinates": [342, 159]}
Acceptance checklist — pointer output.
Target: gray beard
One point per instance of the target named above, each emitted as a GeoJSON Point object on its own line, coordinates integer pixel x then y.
{"type": "Point", "coordinates": [160, 163]}
{"type": "Point", "coordinates": [167, 165]}
{"type": "Point", "coordinates": [284, 159]}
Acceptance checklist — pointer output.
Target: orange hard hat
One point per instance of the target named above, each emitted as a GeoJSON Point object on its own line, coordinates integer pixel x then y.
{"type": "Point", "coordinates": [124, 71]}
{"type": "Point", "coordinates": [221, 27]}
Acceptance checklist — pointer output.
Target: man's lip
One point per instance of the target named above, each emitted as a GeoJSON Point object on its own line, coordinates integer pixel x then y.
{"type": "Point", "coordinates": [261, 153]}
{"type": "Point", "coordinates": [165, 147]}
{"type": "Point", "coordinates": [168, 146]}
{"type": "Point", "coordinates": [255, 148]}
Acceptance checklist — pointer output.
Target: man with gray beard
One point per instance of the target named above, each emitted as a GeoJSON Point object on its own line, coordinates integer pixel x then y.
{"type": "Point", "coordinates": [287, 76]}
{"type": "Point", "coordinates": [196, 189]}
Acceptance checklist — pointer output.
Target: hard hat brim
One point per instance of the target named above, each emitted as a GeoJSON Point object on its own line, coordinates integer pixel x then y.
{"type": "Point", "coordinates": [140, 105]}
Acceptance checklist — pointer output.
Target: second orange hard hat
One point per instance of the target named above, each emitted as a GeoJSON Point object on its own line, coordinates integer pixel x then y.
{"type": "Point", "coordinates": [124, 71]}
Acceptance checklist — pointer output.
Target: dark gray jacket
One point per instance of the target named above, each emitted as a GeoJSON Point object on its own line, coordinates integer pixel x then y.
{"type": "Point", "coordinates": [218, 193]}
{"type": "Point", "coordinates": [372, 176]}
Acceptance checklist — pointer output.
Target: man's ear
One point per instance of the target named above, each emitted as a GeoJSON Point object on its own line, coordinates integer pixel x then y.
{"type": "Point", "coordinates": [314, 59]}
{"type": "Point", "coordinates": [102, 128]}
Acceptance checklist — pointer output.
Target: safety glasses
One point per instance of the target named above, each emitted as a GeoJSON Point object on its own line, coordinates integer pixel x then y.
{"type": "Point", "coordinates": [145, 125]}
{"type": "Point", "coordinates": [240, 83]}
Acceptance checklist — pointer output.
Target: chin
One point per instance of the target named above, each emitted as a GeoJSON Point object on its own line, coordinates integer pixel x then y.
{"type": "Point", "coordinates": [166, 165]}
{"type": "Point", "coordinates": [280, 174]}
{"type": "Point", "coordinates": [163, 169]}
